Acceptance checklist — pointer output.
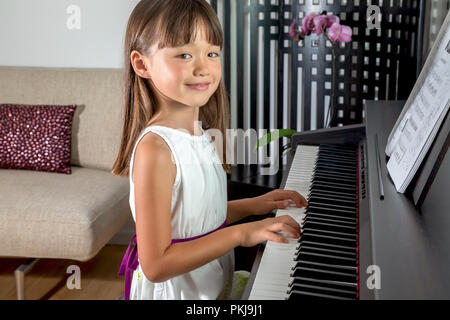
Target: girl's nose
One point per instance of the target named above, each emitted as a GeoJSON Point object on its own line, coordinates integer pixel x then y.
{"type": "Point", "coordinates": [201, 68]}
{"type": "Point", "coordinates": [201, 71]}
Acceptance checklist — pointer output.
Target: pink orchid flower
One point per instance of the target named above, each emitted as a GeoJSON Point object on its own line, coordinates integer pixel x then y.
{"type": "Point", "coordinates": [339, 33]}
{"type": "Point", "coordinates": [293, 29]}
{"type": "Point", "coordinates": [308, 23]}
{"type": "Point", "coordinates": [324, 21]}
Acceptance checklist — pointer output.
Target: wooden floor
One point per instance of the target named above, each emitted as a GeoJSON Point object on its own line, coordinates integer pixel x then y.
{"type": "Point", "coordinates": [47, 280]}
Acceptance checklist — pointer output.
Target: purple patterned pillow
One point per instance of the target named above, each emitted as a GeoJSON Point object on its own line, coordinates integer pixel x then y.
{"type": "Point", "coordinates": [36, 137]}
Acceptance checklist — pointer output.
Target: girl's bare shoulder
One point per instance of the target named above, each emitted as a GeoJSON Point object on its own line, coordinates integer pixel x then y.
{"type": "Point", "coordinates": [153, 154]}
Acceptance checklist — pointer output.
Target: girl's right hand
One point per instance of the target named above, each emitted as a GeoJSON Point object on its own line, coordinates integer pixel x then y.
{"type": "Point", "coordinates": [253, 233]}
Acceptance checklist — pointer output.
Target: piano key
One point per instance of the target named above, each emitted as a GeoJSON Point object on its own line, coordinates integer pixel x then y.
{"type": "Point", "coordinates": [322, 175]}
{"type": "Point", "coordinates": [334, 200]}
{"type": "Point", "coordinates": [335, 169]}
{"type": "Point", "coordinates": [331, 187]}
{"type": "Point", "coordinates": [340, 195]}
{"type": "Point", "coordinates": [331, 207]}
{"type": "Point", "coordinates": [336, 222]}
{"type": "Point", "coordinates": [322, 274]}
{"type": "Point", "coordinates": [326, 175]}
{"type": "Point", "coordinates": [321, 238]}
{"type": "Point", "coordinates": [324, 283]}
{"type": "Point", "coordinates": [312, 213]}
{"type": "Point", "coordinates": [319, 208]}
{"type": "Point", "coordinates": [306, 256]}
{"type": "Point", "coordinates": [318, 244]}
{"type": "Point", "coordinates": [341, 253]}
{"type": "Point", "coordinates": [328, 163]}
{"type": "Point", "coordinates": [331, 227]}
{"type": "Point", "coordinates": [329, 292]}
{"type": "Point", "coordinates": [337, 159]}
{"type": "Point", "coordinates": [301, 295]}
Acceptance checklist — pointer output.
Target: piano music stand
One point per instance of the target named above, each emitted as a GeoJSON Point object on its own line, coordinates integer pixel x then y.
{"type": "Point", "coordinates": [431, 165]}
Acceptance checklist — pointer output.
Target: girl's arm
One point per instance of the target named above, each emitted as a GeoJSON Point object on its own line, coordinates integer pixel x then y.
{"type": "Point", "coordinates": [240, 209]}
{"type": "Point", "coordinates": [153, 175]}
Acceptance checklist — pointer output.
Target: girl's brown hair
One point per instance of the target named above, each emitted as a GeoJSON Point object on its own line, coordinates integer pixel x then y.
{"type": "Point", "coordinates": [169, 23]}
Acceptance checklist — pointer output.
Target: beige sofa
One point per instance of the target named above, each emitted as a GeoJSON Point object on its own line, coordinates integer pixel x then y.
{"type": "Point", "coordinates": [50, 215]}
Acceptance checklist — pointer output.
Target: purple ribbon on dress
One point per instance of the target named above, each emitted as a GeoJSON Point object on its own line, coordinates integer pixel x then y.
{"type": "Point", "coordinates": [130, 259]}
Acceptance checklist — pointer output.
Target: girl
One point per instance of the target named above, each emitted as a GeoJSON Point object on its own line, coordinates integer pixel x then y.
{"type": "Point", "coordinates": [178, 183]}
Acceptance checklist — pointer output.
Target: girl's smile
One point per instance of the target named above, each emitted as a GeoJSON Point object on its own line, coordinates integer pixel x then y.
{"type": "Point", "coordinates": [200, 86]}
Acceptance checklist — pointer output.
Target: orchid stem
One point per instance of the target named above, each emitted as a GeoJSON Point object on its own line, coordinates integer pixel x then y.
{"type": "Point", "coordinates": [333, 84]}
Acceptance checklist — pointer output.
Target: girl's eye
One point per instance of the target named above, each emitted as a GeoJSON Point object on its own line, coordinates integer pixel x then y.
{"type": "Point", "coordinates": [187, 54]}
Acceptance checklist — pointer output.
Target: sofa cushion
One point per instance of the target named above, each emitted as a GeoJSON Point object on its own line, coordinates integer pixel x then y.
{"type": "Point", "coordinates": [98, 120]}
{"type": "Point", "coordinates": [36, 137]}
{"type": "Point", "coordinates": [73, 216]}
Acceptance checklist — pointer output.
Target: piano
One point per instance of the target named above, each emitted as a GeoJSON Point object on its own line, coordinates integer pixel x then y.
{"type": "Point", "coordinates": [360, 238]}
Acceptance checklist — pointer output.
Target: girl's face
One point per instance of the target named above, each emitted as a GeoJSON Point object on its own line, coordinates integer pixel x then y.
{"type": "Point", "coordinates": [174, 71]}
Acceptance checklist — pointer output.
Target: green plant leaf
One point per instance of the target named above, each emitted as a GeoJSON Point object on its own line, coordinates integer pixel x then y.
{"type": "Point", "coordinates": [271, 136]}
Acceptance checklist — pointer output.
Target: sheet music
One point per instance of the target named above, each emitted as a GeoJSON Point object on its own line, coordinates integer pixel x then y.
{"type": "Point", "coordinates": [420, 123]}
{"type": "Point", "coordinates": [424, 74]}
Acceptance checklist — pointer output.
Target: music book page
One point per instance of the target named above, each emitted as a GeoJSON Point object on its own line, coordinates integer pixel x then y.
{"type": "Point", "coordinates": [421, 121]}
{"type": "Point", "coordinates": [424, 74]}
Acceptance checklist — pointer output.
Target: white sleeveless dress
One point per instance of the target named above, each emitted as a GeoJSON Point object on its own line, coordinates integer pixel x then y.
{"type": "Point", "coordinates": [199, 205]}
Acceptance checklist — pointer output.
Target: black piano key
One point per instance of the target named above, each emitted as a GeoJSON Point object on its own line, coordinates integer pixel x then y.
{"type": "Point", "coordinates": [319, 250]}
{"type": "Point", "coordinates": [344, 219]}
{"type": "Point", "coordinates": [347, 195]}
{"type": "Point", "coordinates": [336, 159]}
{"type": "Point", "coordinates": [325, 258]}
{"type": "Point", "coordinates": [319, 208]}
{"type": "Point", "coordinates": [327, 168]}
{"type": "Point", "coordinates": [351, 270]}
{"type": "Point", "coordinates": [334, 173]}
{"type": "Point", "coordinates": [323, 245]}
{"type": "Point", "coordinates": [305, 256]}
{"type": "Point", "coordinates": [331, 208]}
{"type": "Point", "coordinates": [350, 154]}
{"type": "Point", "coordinates": [296, 295]}
{"type": "Point", "coordinates": [301, 287]}
{"type": "Point", "coordinates": [339, 195]}
{"type": "Point", "coordinates": [323, 275]}
{"type": "Point", "coordinates": [343, 148]}
{"type": "Point", "coordinates": [330, 227]}
{"type": "Point", "coordinates": [337, 222]}
{"type": "Point", "coordinates": [338, 236]}
{"type": "Point", "coordinates": [325, 162]}
{"type": "Point", "coordinates": [335, 164]}
{"type": "Point", "coordinates": [345, 286]}
{"type": "Point", "coordinates": [339, 156]}
{"type": "Point", "coordinates": [332, 200]}
{"type": "Point", "coordinates": [328, 230]}
{"type": "Point", "coordinates": [337, 151]}
{"type": "Point", "coordinates": [310, 236]}
{"type": "Point", "coordinates": [334, 180]}
{"type": "Point", "coordinates": [345, 179]}
{"type": "Point", "coordinates": [332, 187]}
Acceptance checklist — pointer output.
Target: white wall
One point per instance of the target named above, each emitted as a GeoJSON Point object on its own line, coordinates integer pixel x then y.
{"type": "Point", "coordinates": [35, 33]}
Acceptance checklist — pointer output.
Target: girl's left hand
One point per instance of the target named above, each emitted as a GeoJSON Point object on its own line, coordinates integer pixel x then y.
{"type": "Point", "coordinates": [277, 199]}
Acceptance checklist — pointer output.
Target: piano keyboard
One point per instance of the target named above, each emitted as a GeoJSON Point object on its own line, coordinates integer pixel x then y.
{"type": "Point", "coordinates": [323, 263]}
